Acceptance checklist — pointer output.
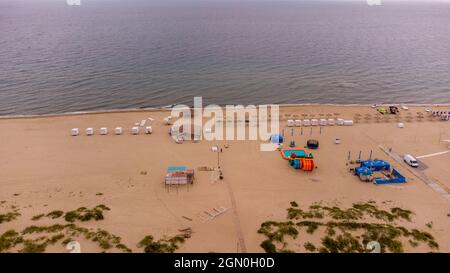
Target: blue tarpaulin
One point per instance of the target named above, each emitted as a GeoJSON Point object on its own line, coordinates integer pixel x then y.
{"type": "Point", "coordinates": [397, 178]}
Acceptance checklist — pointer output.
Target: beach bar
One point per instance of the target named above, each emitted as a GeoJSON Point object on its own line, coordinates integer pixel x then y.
{"type": "Point", "coordinates": [179, 175]}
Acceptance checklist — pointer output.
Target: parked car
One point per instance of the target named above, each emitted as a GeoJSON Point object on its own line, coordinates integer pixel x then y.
{"type": "Point", "coordinates": [411, 161]}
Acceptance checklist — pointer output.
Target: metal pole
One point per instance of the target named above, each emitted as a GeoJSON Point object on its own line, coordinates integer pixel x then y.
{"type": "Point", "coordinates": [218, 151]}
{"type": "Point", "coordinates": [349, 155]}
{"type": "Point", "coordinates": [370, 157]}
{"type": "Point", "coordinates": [359, 157]}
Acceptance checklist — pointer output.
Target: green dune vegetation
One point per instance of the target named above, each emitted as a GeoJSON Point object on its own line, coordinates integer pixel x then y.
{"type": "Point", "coordinates": [36, 238]}
{"type": "Point", "coordinates": [343, 230]}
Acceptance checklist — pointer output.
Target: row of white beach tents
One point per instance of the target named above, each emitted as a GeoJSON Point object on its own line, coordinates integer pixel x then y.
{"type": "Point", "coordinates": [104, 131]}
{"type": "Point", "coordinates": [318, 122]}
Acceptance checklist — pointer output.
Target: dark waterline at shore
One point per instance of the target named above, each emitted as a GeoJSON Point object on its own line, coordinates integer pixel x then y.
{"type": "Point", "coordinates": [136, 54]}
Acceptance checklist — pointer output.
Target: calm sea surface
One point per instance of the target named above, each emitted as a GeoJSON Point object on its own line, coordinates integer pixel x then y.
{"type": "Point", "coordinates": [110, 54]}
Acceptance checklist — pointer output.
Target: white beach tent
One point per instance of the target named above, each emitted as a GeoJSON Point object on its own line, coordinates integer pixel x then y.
{"type": "Point", "coordinates": [290, 123]}
{"type": "Point", "coordinates": [314, 122]}
{"type": "Point", "coordinates": [323, 122]}
{"type": "Point", "coordinates": [135, 130]}
{"type": "Point", "coordinates": [340, 121]}
{"type": "Point", "coordinates": [148, 130]}
{"type": "Point", "coordinates": [331, 121]}
{"type": "Point", "coordinates": [298, 123]}
{"type": "Point", "coordinates": [118, 130]}
{"type": "Point", "coordinates": [306, 122]}
{"type": "Point", "coordinates": [103, 131]}
{"type": "Point", "coordinates": [89, 131]}
{"type": "Point", "coordinates": [75, 132]}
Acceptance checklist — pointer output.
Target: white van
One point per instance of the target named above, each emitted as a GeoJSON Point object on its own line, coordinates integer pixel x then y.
{"type": "Point", "coordinates": [411, 161]}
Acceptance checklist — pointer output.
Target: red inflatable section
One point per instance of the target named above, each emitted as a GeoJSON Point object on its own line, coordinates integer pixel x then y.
{"type": "Point", "coordinates": [307, 164]}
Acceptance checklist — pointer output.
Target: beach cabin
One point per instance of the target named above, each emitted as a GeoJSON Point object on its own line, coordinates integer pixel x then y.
{"type": "Point", "coordinates": [314, 122]}
{"type": "Point", "coordinates": [148, 130]}
{"type": "Point", "coordinates": [298, 123]}
{"type": "Point", "coordinates": [179, 175]}
{"type": "Point", "coordinates": [89, 131]}
{"type": "Point", "coordinates": [135, 130]}
{"type": "Point", "coordinates": [118, 130]}
{"type": "Point", "coordinates": [322, 122]}
{"type": "Point", "coordinates": [167, 120]}
{"type": "Point", "coordinates": [340, 121]}
{"type": "Point", "coordinates": [331, 122]}
{"type": "Point", "coordinates": [290, 123]}
{"type": "Point", "coordinates": [179, 140]}
{"type": "Point", "coordinates": [75, 132]}
{"type": "Point", "coordinates": [348, 123]}
{"type": "Point", "coordinates": [306, 122]}
{"type": "Point", "coordinates": [103, 131]}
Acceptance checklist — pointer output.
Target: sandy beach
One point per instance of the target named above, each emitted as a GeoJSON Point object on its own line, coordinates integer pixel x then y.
{"type": "Point", "coordinates": [43, 168]}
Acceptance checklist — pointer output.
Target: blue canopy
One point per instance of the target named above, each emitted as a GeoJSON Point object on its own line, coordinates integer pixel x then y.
{"type": "Point", "coordinates": [375, 165]}
{"type": "Point", "coordinates": [276, 139]}
{"type": "Point", "coordinates": [363, 171]}
{"type": "Point", "coordinates": [176, 168]}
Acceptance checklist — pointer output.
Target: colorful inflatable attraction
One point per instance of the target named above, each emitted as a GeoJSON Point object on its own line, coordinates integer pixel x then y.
{"type": "Point", "coordinates": [298, 159]}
